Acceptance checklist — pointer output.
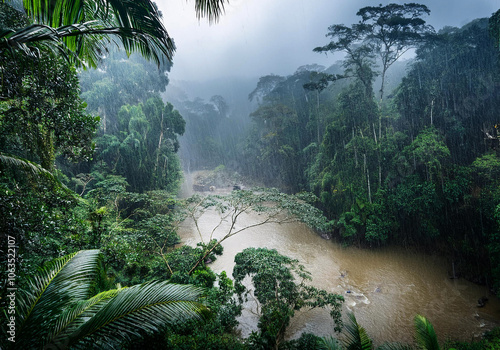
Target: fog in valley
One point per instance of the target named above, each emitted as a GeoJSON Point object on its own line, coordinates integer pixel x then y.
{"type": "Point", "coordinates": [259, 38]}
{"type": "Point", "coordinates": [259, 55]}
{"type": "Point", "coordinates": [273, 174]}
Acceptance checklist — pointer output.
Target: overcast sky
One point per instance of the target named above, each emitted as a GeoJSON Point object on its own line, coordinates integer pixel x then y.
{"type": "Point", "coordinates": [259, 37]}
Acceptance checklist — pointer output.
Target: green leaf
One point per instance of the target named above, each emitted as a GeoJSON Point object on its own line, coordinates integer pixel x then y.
{"type": "Point", "coordinates": [65, 280]}
{"type": "Point", "coordinates": [356, 336]}
{"type": "Point", "coordinates": [425, 335]}
{"type": "Point", "coordinates": [140, 308]}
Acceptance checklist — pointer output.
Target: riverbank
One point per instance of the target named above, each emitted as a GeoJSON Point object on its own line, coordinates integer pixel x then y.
{"type": "Point", "coordinates": [385, 288]}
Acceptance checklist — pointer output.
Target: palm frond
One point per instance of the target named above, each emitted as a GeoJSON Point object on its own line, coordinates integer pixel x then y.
{"type": "Point", "coordinates": [425, 335]}
{"type": "Point", "coordinates": [142, 29]}
{"type": "Point", "coordinates": [85, 41]}
{"type": "Point", "coordinates": [64, 280]}
{"type": "Point", "coordinates": [86, 27]}
{"type": "Point", "coordinates": [329, 343]}
{"type": "Point", "coordinates": [135, 24]}
{"type": "Point", "coordinates": [32, 38]}
{"type": "Point", "coordinates": [356, 336]}
{"type": "Point", "coordinates": [17, 163]}
{"type": "Point", "coordinates": [140, 308]}
{"type": "Point", "coordinates": [54, 308]}
{"type": "Point", "coordinates": [211, 9]}
{"type": "Point", "coordinates": [20, 163]}
{"type": "Point", "coordinates": [77, 315]}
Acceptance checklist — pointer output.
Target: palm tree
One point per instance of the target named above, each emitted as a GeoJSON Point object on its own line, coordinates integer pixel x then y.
{"type": "Point", "coordinates": [57, 308]}
{"type": "Point", "coordinates": [82, 29]}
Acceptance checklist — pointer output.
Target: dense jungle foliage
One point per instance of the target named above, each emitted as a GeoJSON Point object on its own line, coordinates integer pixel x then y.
{"type": "Point", "coordinates": [89, 175]}
{"type": "Point", "coordinates": [418, 167]}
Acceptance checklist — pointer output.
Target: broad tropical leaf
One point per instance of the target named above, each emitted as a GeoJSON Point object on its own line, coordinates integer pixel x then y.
{"type": "Point", "coordinates": [141, 308]}
{"type": "Point", "coordinates": [425, 335]}
{"type": "Point", "coordinates": [83, 29]}
{"type": "Point", "coordinates": [356, 336]}
{"type": "Point", "coordinates": [13, 162]}
{"type": "Point", "coordinates": [56, 309]}
{"type": "Point", "coordinates": [63, 281]}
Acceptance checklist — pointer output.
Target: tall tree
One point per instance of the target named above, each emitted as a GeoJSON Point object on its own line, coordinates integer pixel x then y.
{"type": "Point", "coordinates": [394, 29]}
{"type": "Point", "coordinates": [388, 31]}
{"type": "Point", "coordinates": [359, 55]}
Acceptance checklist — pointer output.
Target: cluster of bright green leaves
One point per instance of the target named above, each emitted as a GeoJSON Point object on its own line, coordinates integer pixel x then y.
{"type": "Point", "coordinates": [135, 230]}
{"type": "Point", "coordinates": [279, 284]}
{"type": "Point", "coordinates": [183, 263]}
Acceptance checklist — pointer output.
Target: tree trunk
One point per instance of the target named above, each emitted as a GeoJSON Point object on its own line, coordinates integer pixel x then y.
{"type": "Point", "coordinates": [432, 107]}
{"type": "Point", "coordinates": [159, 144]}
{"type": "Point", "coordinates": [318, 116]}
{"type": "Point", "coordinates": [46, 149]}
{"type": "Point", "coordinates": [367, 179]}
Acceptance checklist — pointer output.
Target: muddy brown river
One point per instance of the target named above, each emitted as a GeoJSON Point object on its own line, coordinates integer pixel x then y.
{"type": "Point", "coordinates": [385, 288]}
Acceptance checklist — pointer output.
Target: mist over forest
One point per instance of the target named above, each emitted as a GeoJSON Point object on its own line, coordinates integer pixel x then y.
{"type": "Point", "coordinates": [350, 202]}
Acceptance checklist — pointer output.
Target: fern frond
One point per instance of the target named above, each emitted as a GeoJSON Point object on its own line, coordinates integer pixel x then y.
{"type": "Point", "coordinates": [77, 315]}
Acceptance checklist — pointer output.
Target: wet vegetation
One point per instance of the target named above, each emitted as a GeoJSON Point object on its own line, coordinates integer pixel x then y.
{"type": "Point", "coordinates": [372, 151]}
{"type": "Point", "coordinates": [416, 168]}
